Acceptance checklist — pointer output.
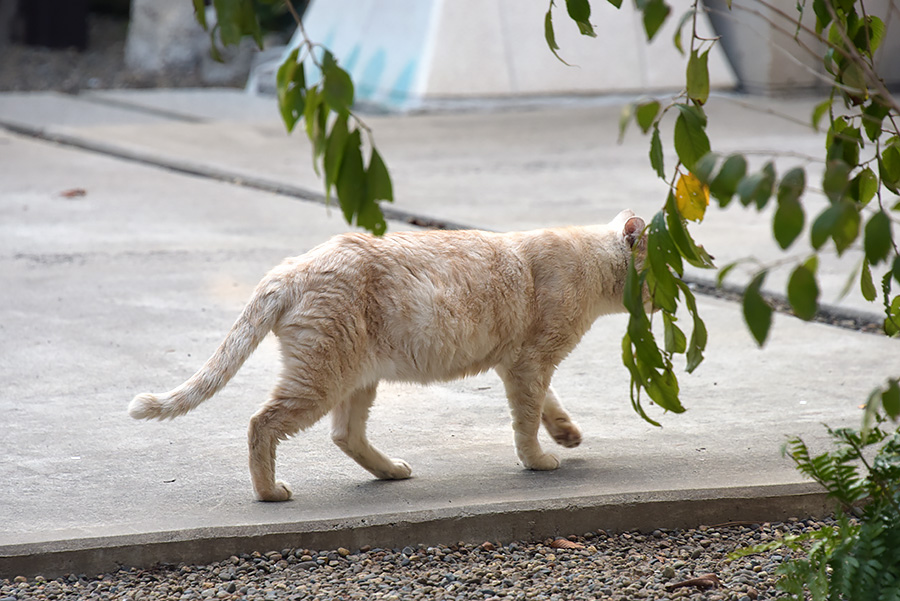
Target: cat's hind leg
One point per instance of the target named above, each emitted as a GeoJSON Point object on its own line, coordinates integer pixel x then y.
{"type": "Point", "coordinates": [348, 431]}
{"type": "Point", "coordinates": [558, 423]}
{"type": "Point", "coordinates": [288, 411]}
{"type": "Point", "coordinates": [526, 389]}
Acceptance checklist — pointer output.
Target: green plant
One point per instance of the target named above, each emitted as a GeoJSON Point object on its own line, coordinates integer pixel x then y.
{"type": "Point", "coordinates": [857, 558]}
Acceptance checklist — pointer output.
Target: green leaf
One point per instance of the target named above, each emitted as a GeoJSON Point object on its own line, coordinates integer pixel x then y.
{"type": "Point", "coordinates": [334, 151]}
{"type": "Point", "coordinates": [659, 240]}
{"type": "Point", "coordinates": [863, 186]}
{"type": "Point", "coordinates": [873, 116]}
{"type": "Point", "coordinates": [890, 399]}
{"type": "Point", "coordinates": [228, 20]}
{"type": "Point", "coordinates": [823, 14]}
{"type": "Point", "coordinates": [846, 227]}
{"type": "Point", "coordinates": [824, 225]}
{"type": "Point", "coordinates": [371, 218]}
{"type": "Point", "coordinates": [250, 23]}
{"type": "Point", "coordinates": [698, 77]}
{"type": "Point", "coordinates": [655, 13]}
{"type": "Point", "coordinates": [757, 312]}
{"type": "Point", "coordinates": [725, 183]}
{"type": "Point", "coordinates": [854, 78]}
{"type": "Point", "coordinates": [866, 285]}
{"type": "Point", "coordinates": [677, 37]}
{"type": "Point", "coordinates": [691, 142]}
{"type": "Point", "coordinates": [550, 36]}
{"type": "Point", "coordinates": [645, 113]}
{"type": "Point", "coordinates": [697, 345]}
{"type": "Point", "coordinates": [821, 109]}
{"type": "Point", "coordinates": [803, 292]}
{"type": "Point", "coordinates": [705, 166]}
{"type": "Point", "coordinates": [675, 340]}
{"type": "Point", "coordinates": [892, 319]}
{"type": "Point", "coordinates": [869, 35]}
{"type": "Point", "coordinates": [789, 218]}
{"type": "Point", "coordinates": [580, 12]}
{"type": "Point", "coordinates": [836, 180]}
{"type": "Point", "coordinates": [693, 253]}
{"type": "Point", "coordinates": [378, 179]}
{"type": "Point", "coordinates": [878, 240]}
{"type": "Point", "coordinates": [200, 13]}
{"type": "Point", "coordinates": [656, 153]}
{"type": "Point", "coordinates": [338, 87]}
{"type": "Point", "coordinates": [757, 188]}
{"type": "Point", "coordinates": [290, 82]}
{"type": "Point", "coordinates": [889, 167]}
{"type": "Point", "coordinates": [351, 180]}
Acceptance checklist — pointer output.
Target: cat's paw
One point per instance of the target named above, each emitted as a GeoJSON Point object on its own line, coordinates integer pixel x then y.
{"type": "Point", "coordinates": [280, 492]}
{"type": "Point", "coordinates": [543, 463]}
{"type": "Point", "coordinates": [398, 470]}
{"type": "Point", "coordinates": [567, 434]}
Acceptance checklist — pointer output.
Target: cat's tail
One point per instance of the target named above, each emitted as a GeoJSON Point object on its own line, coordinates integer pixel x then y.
{"type": "Point", "coordinates": [256, 320]}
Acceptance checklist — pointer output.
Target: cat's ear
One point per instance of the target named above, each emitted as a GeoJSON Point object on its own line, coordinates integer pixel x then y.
{"type": "Point", "coordinates": [632, 230]}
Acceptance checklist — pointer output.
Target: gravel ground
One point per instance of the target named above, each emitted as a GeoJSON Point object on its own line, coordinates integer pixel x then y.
{"type": "Point", "coordinates": [602, 566]}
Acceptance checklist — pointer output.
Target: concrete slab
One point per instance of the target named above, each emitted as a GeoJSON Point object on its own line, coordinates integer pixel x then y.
{"type": "Point", "coordinates": [129, 287]}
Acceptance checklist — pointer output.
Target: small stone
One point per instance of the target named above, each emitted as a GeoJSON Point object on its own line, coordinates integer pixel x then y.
{"type": "Point", "coordinates": [343, 552]}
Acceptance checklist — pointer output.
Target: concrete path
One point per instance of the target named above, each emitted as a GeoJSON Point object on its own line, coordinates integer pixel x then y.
{"type": "Point", "coordinates": [189, 197]}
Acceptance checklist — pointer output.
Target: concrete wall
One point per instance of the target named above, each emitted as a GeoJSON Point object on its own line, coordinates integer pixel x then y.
{"type": "Point", "coordinates": [404, 53]}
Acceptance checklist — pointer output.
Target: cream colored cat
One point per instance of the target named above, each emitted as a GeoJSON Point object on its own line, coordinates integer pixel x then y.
{"type": "Point", "coordinates": [416, 307]}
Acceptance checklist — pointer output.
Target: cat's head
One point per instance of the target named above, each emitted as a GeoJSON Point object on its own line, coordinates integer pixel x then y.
{"type": "Point", "coordinates": [631, 229]}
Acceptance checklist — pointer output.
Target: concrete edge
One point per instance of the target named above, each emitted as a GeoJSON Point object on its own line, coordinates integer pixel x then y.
{"type": "Point", "coordinates": [502, 522]}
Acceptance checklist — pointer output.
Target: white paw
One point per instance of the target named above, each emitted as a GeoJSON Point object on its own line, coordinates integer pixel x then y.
{"type": "Point", "coordinates": [545, 462]}
{"type": "Point", "coordinates": [281, 492]}
{"type": "Point", "coordinates": [567, 434]}
{"type": "Point", "coordinates": [399, 470]}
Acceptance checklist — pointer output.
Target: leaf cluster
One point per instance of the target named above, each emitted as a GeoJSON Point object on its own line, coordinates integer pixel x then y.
{"type": "Point", "coordinates": [324, 105]}
{"type": "Point", "coordinates": [859, 557]}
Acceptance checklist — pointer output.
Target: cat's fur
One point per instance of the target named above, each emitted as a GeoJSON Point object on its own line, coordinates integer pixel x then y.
{"type": "Point", "coordinates": [416, 307]}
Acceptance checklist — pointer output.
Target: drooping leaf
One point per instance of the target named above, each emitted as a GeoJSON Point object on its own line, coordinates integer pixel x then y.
{"type": "Point", "coordinates": [846, 227]}
{"type": "Point", "coordinates": [725, 183]}
{"type": "Point", "coordinates": [200, 13]}
{"type": "Point", "coordinates": [803, 292]}
{"type": "Point", "coordinates": [698, 77]}
{"type": "Point", "coordinates": [378, 179]}
{"type": "Point", "coordinates": [890, 399]}
{"type": "Point", "coordinates": [757, 188]}
{"type": "Point", "coordinates": [836, 179]}
{"type": "Point", "coordinates": [655, 13]}
{"type": "Point", "coordinates": [704, 168]}
{"type": "Point", "coordinates": [351, 180]}
{"type": "Point", "coordinates": [824, 225]}
{"type": "Point", "coordinates": [334, 151]}
{"type": "Point", "coordinates": [337, 87]}
{"type": "Point", "coordinates": [693, 253]}
{"type": "Point", "coordinates": [878, 240]}
{"type": "Point", "coordinates": [866, 285]}
{"type": "Point", "coordinates": [789, 218]}
{"type": "Point", "coordinates": [872, 117]}
{"type": "Point", "coordinates": [889, 168]}
{"type": "Point", "coordinates": [863, 186]}
{"type": "Point", "coordinates": [821, 109]}
{"type": "Point", "coordinates": [228, 20]}
{"type": "Point", "coordinates": [550, 36]}
{"type": "Point", "coordinates": [580, 12]}
{"type": "Point", "coordinates": [757, 312]}
{"type": "Point", "coordinates": [645, 113]}
{"type": "Point", "coordinates": [675, 340]}
{"type": "Point", "coordinates": [699, 335]}
{"type": "Point", "coordinates": [677, 37]}
{"type": "Point", "coordinates": [656, 153]}
{"type": "Point", "coordinates": [691, 142]}
{"type": "Point", "coordinates": [290, 81]}
{"type": "Point", "coordinates": [692, 197]}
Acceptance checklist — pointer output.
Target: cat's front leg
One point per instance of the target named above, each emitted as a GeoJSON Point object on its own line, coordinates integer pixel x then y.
{"type": "Point", "coordinates": [558, 423]}
{"type": "Point", "coordinates": [526, 392]}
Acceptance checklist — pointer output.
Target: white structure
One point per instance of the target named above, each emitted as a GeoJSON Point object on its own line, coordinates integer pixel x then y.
{"type": "Point", "coordinates": [405, 53]}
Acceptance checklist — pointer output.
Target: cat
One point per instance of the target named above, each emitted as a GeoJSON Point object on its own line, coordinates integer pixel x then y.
{"type": "Point", "coordinates": [417, 307]}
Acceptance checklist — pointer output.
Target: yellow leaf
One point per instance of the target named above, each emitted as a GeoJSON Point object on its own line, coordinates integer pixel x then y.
{"type": "Point", "coordinates": [692, 197]}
